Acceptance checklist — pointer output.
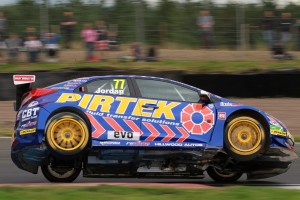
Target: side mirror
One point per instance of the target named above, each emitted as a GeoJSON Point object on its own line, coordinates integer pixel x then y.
{"type": "Point", "coordinates": [204, 98]}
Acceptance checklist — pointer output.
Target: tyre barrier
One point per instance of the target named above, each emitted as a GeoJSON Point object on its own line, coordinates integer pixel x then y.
{"type": "Point", "coordinates": [250, 85]}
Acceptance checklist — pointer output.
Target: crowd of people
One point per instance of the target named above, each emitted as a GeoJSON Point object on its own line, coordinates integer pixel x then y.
{"type": "Point", "coordinates": [277, 33]}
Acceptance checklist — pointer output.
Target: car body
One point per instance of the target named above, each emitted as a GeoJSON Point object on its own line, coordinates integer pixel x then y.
{"type": "Point", "coordinates": [136, 126]}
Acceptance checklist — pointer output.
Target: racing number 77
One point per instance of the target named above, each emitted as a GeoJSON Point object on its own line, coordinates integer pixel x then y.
{"type": "Point", "coordinates": [117, 86]}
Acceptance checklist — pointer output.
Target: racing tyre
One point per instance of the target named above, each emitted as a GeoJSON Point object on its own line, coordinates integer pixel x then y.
{"type": "Point", "coordinates": [67, 135]}
{"type": "Point", "coordinates": [244, 138]}
{"type": "Point", "coordinates": [63, 175]}
{"type": "Point", "coordinates": [220, 176]}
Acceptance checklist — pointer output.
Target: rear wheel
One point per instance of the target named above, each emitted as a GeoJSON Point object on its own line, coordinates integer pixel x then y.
{"type": "Point", "coordinates": [244, 138]}
{"type": "Point", "coordinates": [223, 176]}
{"type": "Point", "coordinates": [60, 173]}
{"type": "Point", "coordinates": [67, 134]}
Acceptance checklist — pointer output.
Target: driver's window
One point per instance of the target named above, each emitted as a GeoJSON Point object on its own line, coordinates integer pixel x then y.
{"type": "Point", "coordinates": [109, 87]}
{"type": "Point", "coordinates": [165, 90]}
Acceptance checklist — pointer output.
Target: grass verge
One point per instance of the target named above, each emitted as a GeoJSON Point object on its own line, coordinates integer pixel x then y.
{"type": "Point", "coordinates": [145, 193]}
{"type": "Point", "coordinates": [6, 132]}
{"type": "Point", "coordinates": [190, 66]}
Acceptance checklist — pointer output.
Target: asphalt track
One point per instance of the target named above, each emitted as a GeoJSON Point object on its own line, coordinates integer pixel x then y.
{"type": "Point", "coordinates": [10, 174]}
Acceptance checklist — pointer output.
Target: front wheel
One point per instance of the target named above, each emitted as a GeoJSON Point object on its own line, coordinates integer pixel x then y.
{"type": "Point", "coordinates": [244, 138]}
{"type": "Point", "coordinates": [222, 176]}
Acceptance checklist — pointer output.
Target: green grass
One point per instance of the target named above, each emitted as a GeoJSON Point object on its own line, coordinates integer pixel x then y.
{"type": "Point", "coordinates": [6, 132]}
{"type": "Point", "coordinates": [145, 193]}
{"type": "Point", "coordinates": [166, 65]}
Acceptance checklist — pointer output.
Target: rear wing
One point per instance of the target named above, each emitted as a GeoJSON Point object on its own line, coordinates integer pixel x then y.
{"type": "Point", "coordinates": [23, 85]}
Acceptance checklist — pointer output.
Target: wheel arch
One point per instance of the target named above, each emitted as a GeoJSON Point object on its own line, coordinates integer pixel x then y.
{"type": "Point", "coordinates": [256, 115]}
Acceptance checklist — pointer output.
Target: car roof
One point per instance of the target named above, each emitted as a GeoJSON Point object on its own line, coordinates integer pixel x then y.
{"type": "Point", "coordinates": [74, 83]}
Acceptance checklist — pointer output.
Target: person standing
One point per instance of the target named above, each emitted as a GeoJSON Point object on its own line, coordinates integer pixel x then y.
{"type": "Point", "coordinates": [285, 25]}
{"type": "Point", "coordinates": [89, 36]}
{"type": "Point", "coordinates": [67, 26]}
{"type": "Point", "coordinates": [102, 42]}
{"type": "Point", "coordinates": [33, 47]}
{"type": "Point", "coordinates": [51, 42]}
{"type": "Point", "coordinates": [297, 25]}
{"type": "Point", "coordinates": [13, 43]}
{"type": "Point", "coordinates": [3, 26]}
{"type": "Point", "coordinates": [205, 24]}
{"type": "Point", "coordinates": [269, 26]}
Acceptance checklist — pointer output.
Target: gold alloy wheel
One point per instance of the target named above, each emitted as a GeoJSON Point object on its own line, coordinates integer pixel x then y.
{"type": "Point", "coordinates": [245, 136]}
{"type": "Point", "coordinates": [67, 134]}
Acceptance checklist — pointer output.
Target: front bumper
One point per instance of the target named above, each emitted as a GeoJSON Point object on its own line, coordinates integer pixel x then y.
{"type": "Point", "coordinates": [276, 161]}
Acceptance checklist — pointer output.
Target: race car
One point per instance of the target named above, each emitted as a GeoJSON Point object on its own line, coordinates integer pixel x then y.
{"type": "Point", "coordinates": [140, 126]}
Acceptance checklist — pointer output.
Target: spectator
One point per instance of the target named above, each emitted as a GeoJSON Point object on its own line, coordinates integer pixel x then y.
{"type": "Point", "coordinates": [29, 32]}
{"type": "Point", "coordinates": [3, 26]}
{"type": "Point", "coordinates": [67, 26]}
{"type": "Point", "coordinates": [13, 43]}
{"type": "Point", "coordinates": [136, 51]}
{"type": "Point", "coordinates": [33, 47]}
{"type": "Point", "coordinates": [285, 25]}
{"type": "Point", "coordinates": [89, 36]}
{"type": "Point", "coordinates": [297, 25]}
{"type": "Point", "coordinates": [269, 26]}
{"type": "Point", "coordinates": [205, 24]}
{"type": "Point", "coordinates": [51, 42]}
{"type": "Point", "coordinates": [102, 42]}
{"type": "Point", "coordinates": [152, 54]}
{"type": "Point", "coordinates": [279, 52]}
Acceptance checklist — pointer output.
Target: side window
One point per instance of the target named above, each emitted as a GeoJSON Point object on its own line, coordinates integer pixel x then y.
{"type": "Point", "coordinates": [108, 86]}
{"type": "Point", "coordinates": [164, 90]}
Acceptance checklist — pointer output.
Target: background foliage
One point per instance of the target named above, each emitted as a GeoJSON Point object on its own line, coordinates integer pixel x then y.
{"type": "Point", "coordinates": [168, 22]}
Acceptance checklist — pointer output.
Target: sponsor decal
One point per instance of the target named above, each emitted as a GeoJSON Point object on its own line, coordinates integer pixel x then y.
{"type": "Point", "coordinates": [28, 131]}
{"type": "Point", "coordinates": [70, 85]}
{"type": "Point", "coordinates": [197, 119]}
{"type": "Point", "coordinates": [229, 104]}
{"type": "Point", "coordinates": [123, 135]}
{"type": "Point", "coordinates": [103, 104]}
{"type": "Point", "coordinates": [30, 114]}
{"type": "Point", "coordinates": [22, 79]}
{"type": "Point", "coordinates": [61, 88]}
{"type": "Point", "coordinates": [168, 144]}
{"type": "Point", "coordinates": [32, 104]}
{"type": "Point", "coordinates": [107, 143]}
{"type": "Point", "coordinates": [276, 130]}
{"type": "Point", "coordinates": [174, 144]}
{"type": "Point", "coordinates": [28, 124]}
{"type": "Point", "coordinates": [273, 121]}
{"type": "Point", "coordinates": [211, 105]}
{"type": "Point", "coordinates": [80, 80]}
{"type": "Point", "coordinates": [138, 144]}
{"type": "Point", "coordinates": [222, 115]}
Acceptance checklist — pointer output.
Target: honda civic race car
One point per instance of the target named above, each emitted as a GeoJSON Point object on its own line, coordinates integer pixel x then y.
{"type": "Point", "coordinates": [139, 126]}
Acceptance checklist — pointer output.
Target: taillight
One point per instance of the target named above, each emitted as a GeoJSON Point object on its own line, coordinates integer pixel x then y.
{"type": "Point", "coordinates": [34, 94]}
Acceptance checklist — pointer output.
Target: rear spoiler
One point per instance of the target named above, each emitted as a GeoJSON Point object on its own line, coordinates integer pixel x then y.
{"type": "Point", "coordinates": [23, 85]}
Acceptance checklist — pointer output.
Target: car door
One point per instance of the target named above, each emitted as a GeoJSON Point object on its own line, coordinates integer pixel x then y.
{"type": "Point", "coordinates": [172, 115]}
{"type": "Point", "coordinates": [108, 104]}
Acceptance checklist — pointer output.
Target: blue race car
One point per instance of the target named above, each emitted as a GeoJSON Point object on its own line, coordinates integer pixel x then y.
{"type": "Point", "coordinates": [139, 126]}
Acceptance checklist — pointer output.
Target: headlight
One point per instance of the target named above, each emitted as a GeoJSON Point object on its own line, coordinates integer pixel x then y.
{"type": "Point", "coordinates": [289, 135]}
{"type": "Point", "coordinates": [290, 142]}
